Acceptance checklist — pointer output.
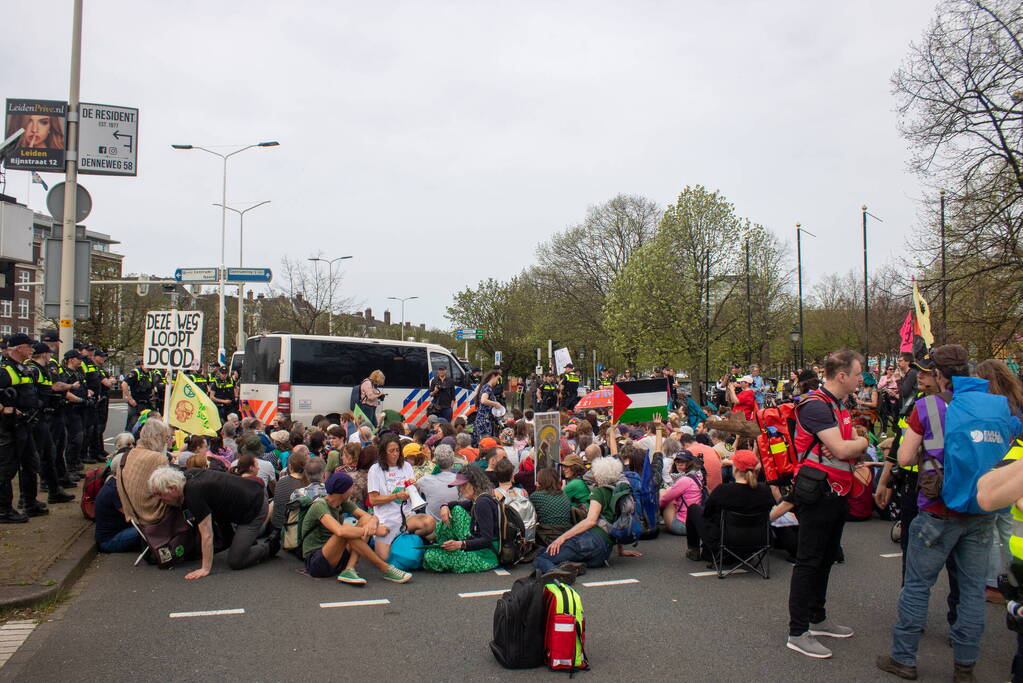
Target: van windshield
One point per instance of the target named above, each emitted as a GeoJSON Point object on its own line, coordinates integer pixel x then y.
{"type": "Point", "coordinates": [262, 361]}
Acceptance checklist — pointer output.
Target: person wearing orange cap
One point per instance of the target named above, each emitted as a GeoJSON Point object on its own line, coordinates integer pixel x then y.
{"type": "Point", "coordinates": [743, 495]}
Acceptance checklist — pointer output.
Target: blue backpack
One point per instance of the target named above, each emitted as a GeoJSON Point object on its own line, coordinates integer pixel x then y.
{"type": "Point", "coordinates": [645, 496]}
{"type": "Point", "coordinates": [407, 552]}
{"type": "Point", "coordinates": [979, 430]}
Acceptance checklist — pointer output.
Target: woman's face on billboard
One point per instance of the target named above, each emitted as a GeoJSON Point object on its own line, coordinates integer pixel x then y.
{"type": "Point", "coordinates": [37, 130]}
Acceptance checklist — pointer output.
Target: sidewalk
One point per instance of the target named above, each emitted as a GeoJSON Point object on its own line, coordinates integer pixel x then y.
{"type": "Point", "coordinates": [40, 559]}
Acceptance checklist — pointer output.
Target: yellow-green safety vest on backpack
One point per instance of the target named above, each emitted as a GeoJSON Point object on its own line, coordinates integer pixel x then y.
{"type": "Point", "coordinates": [1016, 540]}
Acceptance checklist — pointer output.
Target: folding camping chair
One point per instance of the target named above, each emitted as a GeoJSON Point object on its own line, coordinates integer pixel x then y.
{"type": "Point", "coordinates": [746, 539]}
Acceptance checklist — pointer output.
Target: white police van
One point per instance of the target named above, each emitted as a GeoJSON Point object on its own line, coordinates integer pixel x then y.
{"type": "Point", "coordinates": [302, 376]}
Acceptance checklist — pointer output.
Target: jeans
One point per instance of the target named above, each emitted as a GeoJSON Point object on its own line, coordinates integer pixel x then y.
{"type": "Point", "coordinates": [445, 413]}
{"type": "Point", "coordinates": [820, 537]}
{"type": "Point", "coordinates": [999, 557]}
{"type": "Point", "coordinates": [588, 547]}
{"type": "Point", "coordinates": [932, 541]}
{"type": "Point", "coordinates": [908, 511]}
{"type": "Point", "coordinates": [245, 551]}
{"type": "Point", "coordinates": [126, 540]}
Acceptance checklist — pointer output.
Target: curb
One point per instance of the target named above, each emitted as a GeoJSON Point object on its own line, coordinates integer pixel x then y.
{"type": "Point", "coordinates": [64, 572]}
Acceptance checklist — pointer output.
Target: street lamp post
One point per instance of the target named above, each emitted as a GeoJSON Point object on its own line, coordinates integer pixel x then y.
{"type": "Point", "coordinates": [799, 269]}
{"type": "Point", "coordinates": [221, 350]}
{"type": "Point", "coordinates": [240, 346]}
{"type": "Point", "coordinates": [796, 338]}
{"type": "Point", "coordinates": [866, 301]}
{"type": "Point", "coordinates": [330, 284]}
{"type": "Point", "coordinates": [402, 300]}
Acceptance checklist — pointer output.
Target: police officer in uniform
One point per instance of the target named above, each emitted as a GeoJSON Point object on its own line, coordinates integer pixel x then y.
{"type": "Point", "coordinates": [607, 380]}
{"type": "Point", "coordinates": [20, 401]}
{"type": "Point", "coordinates": [90, 417]}
{"type": "Point", "coordinates": [138, 392]}
{"type": "Point", "coordinates": [78, 402]}
{"type": "Point", "coordinates": [42, 427]}
{"type": "Point", "coordinates": [569, 390]}
{"type": "Point", "coordinates": [547, 394]}
{"type": "Point", "coordinates": [58, 428]}
{"type": "Point", "coordinates": [98, 451]}
{"type": "Point", "coordinates": [224, 392]}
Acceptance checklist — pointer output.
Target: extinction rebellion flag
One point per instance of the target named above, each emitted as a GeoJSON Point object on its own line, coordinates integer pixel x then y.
{"type": "Point", "coordinates": [639, 401]}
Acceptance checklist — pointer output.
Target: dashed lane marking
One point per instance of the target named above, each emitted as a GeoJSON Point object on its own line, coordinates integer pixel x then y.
{"type": "Point", "coordinates": [714, 573]}
{"type": "Point", "coordinates": [13, 635]}
{"type": "Point", "coordinates": [891, 554]}
{"type": "Point", "coordinates": [355, 603]}
{"type": "Point", "coordinates": [206, 613]}
{"type": "Point", "coordinates": [502, 572]}
{"type": "Point", "coordinates": [483, 594]}
{"type": "Point", "coordinates": [615, 582]}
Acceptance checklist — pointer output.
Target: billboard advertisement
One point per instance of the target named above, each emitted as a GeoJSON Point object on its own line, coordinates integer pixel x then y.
{"type": "Point", "coordinates": [41, 147]}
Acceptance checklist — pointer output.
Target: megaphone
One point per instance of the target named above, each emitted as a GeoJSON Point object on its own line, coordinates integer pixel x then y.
{"type": "Point", "coordinates": [415, 500]}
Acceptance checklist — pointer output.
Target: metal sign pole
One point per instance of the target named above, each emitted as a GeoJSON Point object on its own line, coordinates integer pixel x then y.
{"type": "Point", "coordinates": [67, 257]}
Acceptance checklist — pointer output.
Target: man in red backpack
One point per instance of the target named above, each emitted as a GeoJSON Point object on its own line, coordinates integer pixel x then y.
{"type": "Point", "coordinates": [827, 446]}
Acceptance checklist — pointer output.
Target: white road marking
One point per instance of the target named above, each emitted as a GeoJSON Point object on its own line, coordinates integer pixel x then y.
{"type": "Point", "coordinates": [714, 573]}
{"type": "Point", "coordinates": [502, 572]}
{"type": "Point", "coordinates": [483, 594]}
{"type": "Point", "coordinates": [616, 582]}
{"type": "Point", "coordinates": [13, 635]}
{"type": "Point", "coordinates": [206, 613]}
{"type": "Point", "coordinates": [891, 554]}
{"type": "Point", "coordinates": [356, 603]}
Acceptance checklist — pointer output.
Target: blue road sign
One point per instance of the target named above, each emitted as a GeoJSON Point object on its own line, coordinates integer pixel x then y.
{"type": "Point", "coordinates": [249, 275]}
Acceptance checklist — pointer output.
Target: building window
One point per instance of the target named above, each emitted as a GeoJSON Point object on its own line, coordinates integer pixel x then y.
{"type": "Point", "coordinates": [5, 330]}
{"type": "Point", "coordinates": [23, 330]}
{"type": "Point", "coordinates": [6, 308]}
{"type": "Point", "coordinates": [24, 276]}
{"type": "Point", "coordinates": [23, 309]}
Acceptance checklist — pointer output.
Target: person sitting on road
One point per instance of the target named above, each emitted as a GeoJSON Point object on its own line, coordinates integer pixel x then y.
{"type": "Point", "coordinates": [295, 478]}
{"type": "Point", "coordinates": [418, 455]}
{"type": "Point", "coordinates": [703, 523]}
{"type": "Point", "coordinates": [331, 547]}
{"type": "Point", "coordinates": [686, 491]}
{"type": "Point", "coordinates": [490, 456]}
{"type": "Point", "coordinates": [572, 470]}
{"type": "Point", "coordinates": [282, 449]}
{"type": "Point", "coordinates": [336, 441]}
{"type": "Point", "coordinates": [587, 543]}
{"type": "Point", "coordinates": [133, 472]}
{"type": "Point", "coordinates": [195, 443]}
{"type": "Point", "coordinates": [436, 488]}
{"type": "Point", "coordinates": [114, 534]}
{"type": "Point", "coordinates": [386, 482]}
{"type": "Point", "coordinates": [463, 446]}
{"type": "Point", "coordinates": [123, 443]}
{"type": "Point", "coordinates": [468, 533]}
{"type": "Point", "coordinates": [553, 508]}
{"type": "Point", "coordinates": [236, 505]}
{"type": "Point", "coordinates": [504, 471]}
{"type": "Point", "coordinates": [315, 474]}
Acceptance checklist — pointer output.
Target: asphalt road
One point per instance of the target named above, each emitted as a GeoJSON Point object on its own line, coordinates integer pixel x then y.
{"type": "Point", "coordinates": [666, 625]}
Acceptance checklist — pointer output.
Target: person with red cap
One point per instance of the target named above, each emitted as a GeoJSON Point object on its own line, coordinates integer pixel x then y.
{"type": "Point", "coordinates": [743, 495]}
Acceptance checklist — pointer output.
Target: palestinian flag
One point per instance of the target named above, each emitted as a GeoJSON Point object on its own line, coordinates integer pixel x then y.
{"type": "Point", "coordinates": [639, 401]}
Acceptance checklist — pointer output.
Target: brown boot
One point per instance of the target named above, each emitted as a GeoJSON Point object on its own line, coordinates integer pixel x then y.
{"type": "Point", "coordinates": [886, 663]}
{"type": "Point", "coordinates": [963, 673]}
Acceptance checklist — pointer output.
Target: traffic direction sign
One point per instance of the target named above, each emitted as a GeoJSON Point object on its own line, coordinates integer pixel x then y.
{"type": "Point", "coordinates": [468, 334]}
{"type": "Point", "coordinates": [107, 140]}
{"type": "Point", "coordinates": [196, 274]}
{"type": "Point", "coordinates": [249, 275]}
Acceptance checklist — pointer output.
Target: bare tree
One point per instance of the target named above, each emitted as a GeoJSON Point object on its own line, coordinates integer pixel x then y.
{"type": "Point", "coordinates": [303, 298]}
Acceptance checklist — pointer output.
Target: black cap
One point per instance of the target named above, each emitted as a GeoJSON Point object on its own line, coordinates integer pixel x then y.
{"type": "Point", "coordinates": [18, 339]}
{"type": "Point", "coordinates": [40, 347]}
{"type": "Point", "coordinates": [138, 363]}
{"type": "Point", "coordinates": [101, 353]}
{"type": "Point", "coordinates": [90, 348]}
{"type": "Point", "coordinates": [806, 376]}
{"type": "Point", "coordinates": [569, 365]}
{"type": "Point", "coordinates": [496, 367]}
{"type": "Point", "coordinates": [72, 354]}
{"type": "Point", "coordinates": [78, 346]}
{"type": "Point", "coordinates": [924, 364]}
{"type": "Point", "coordinates": [50, 336]}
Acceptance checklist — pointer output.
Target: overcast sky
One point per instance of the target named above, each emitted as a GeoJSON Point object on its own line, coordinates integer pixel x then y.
{"type": "Point", "coordinates": [438, 142]}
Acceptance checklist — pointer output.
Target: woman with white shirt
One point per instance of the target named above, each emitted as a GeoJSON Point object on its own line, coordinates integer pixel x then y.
{"type": "Point", "coordinates": [386, 482]}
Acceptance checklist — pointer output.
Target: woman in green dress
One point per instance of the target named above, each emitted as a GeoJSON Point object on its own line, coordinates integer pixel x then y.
{"type": "Point", "coordinates": [467, 535]}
